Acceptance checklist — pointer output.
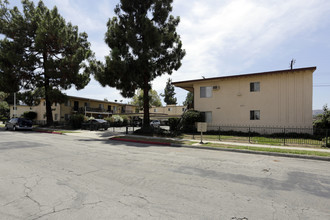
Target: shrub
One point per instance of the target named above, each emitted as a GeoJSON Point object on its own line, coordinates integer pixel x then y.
{"type": "Point", "coordinates": [76, 121]}
{"type": "Point", "coordinates": [125, 119]}
{"type": "Point", "coordinates": [173, 123]}
{"type": "Point", "coordinates": [151, 131]}
{"type": "Point", "coordinates": [115, 120]}
{"type": "Point", "coordinates": [30, 115]}
{"type": "Point", "coordinates": [323, 120]}
{"type": "Point", "coordinates": [189, 119]}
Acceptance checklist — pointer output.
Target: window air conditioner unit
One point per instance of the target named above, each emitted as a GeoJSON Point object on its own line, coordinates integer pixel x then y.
{"type": "Point", "coordinates": [216, 87]}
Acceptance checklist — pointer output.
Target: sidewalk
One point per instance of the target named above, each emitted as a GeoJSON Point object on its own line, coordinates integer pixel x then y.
{"type": "Point", "coordinates": [242, 144]}
{"type": "Point", "coordinates": [109, 134]}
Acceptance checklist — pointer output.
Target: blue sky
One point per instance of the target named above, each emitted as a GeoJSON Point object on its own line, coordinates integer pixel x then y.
{"type": "Point", "coordinates": [226, 37]}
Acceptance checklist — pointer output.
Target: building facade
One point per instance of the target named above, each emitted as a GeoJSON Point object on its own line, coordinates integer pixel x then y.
{"type": "Point", "coordinates": [74, 105]}
{"type": "Point", "coordinates": [165, 112]}
{"type": "Point", "coordinates": [278, 98]}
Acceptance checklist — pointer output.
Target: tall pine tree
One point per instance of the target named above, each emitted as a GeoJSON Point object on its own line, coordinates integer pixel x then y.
{"type": "Point", "coordinates": [169, 93]}
{"type": "Point", "coordinates": [40, 50]}
{"type": "Point", "coordinates": [144, 44]}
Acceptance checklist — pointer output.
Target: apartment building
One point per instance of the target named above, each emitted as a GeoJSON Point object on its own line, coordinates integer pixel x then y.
{"type": "Point", "coordinates": [74, 105]}
{"type": "Point", "coordinates": [281, 98]}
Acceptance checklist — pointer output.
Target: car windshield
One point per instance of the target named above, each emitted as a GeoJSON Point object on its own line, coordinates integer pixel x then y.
{"type": "Point", "coordinates": [24, 120]}
{"type": "Point", "coordinates": [100, 120]}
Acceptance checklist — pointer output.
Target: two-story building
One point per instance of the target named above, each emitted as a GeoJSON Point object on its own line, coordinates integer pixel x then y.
{"type": "Point", "coordinates": [74, 105]}
{"type": "Point", "coordinates": [165, 112]}
{"type": "Point", "coordinates": [280, 98]}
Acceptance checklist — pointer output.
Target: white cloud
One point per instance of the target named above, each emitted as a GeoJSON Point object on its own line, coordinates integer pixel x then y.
{"type": "Point", "coordinates": [220, 37]}
{"type": "Point", "coordinates": [240, 30]}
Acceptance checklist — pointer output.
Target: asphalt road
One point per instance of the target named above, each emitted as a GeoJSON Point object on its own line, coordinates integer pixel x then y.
{"type": "Point", "coordinates": [48, 176]}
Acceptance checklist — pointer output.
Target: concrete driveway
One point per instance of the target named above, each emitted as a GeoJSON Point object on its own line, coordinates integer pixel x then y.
{"type": "Point", "coordinates": [49, 176]}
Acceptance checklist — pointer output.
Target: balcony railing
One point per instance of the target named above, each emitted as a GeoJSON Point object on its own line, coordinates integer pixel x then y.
{"type": "Point", "coordinates": [89, 109]}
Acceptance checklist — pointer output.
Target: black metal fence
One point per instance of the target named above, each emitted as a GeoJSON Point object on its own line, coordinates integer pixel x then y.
{"type": "Point", "coordinates": [44, 122]}
{"type": "Point", "coordinates": [266, 135]}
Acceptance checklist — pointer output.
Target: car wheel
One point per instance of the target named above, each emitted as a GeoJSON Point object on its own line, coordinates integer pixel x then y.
{"type": "Point", "coordinates": [14, 128]}
{"type": "Point", "coordinates": [6, 128]}
{"type": "Point", "coordinates": [105, 128]}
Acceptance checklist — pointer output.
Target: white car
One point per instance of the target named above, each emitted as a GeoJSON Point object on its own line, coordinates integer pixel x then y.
{"type": "Point", "coordinates": [155, 123]}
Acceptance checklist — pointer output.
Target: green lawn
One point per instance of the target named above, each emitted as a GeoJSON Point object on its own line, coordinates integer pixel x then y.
{"type": "Point", "coordinates": [265, 149]}
{"type": "Point", "coordinates": [215, 145]}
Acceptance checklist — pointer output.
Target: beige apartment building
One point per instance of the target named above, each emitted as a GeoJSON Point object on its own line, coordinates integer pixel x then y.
{"type": "Point", "coordinates": [166, 112]}
{"type": "Point", "coordinates": [74, 105]}
{"type": "Point", "coordinates": [280, 98]}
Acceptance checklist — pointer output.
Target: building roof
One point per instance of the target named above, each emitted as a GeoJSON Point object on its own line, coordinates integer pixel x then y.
{"type": "Point", "coordinates": [188, 85]}
{"type": "Point", "coordinates": [96, 100]}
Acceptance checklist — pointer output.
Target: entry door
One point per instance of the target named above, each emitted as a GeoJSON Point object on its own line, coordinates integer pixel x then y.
{"type": "Point", "coordinates": [75, 106]}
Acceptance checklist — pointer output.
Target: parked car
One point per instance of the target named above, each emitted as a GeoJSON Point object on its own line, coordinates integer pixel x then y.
{"type": "Point", "coordinates": [155, 123]}
{"type": "Point", "coordinates": [18, 124]}
{"type": "Point", "coordinates": [95, 124]}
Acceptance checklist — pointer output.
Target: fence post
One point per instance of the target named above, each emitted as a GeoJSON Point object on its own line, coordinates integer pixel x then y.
{"type": "Point", "coordinates": [326, 137]}
{"type": "Point", "coordinates": [219, 134]}
{"type": "Point", "coordinates": [126, 129]}
{"type": "Point", "coordinates": [249, 135]}
{"type": "Point", "coordinates": [284, 136]}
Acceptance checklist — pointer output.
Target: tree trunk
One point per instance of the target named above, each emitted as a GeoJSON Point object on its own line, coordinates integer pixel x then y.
{"type": "Point", "coordinates": [146, 118]}
{"type": "Point", "coordinates": [49, 114]}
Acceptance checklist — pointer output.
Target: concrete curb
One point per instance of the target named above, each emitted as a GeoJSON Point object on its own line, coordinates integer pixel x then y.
{"type": "Point", "coordinates": [299, 156]}
{"type": "Point", "coordinates": [49, 132]}
{"type": "Point", "coordinates": [141, 142]}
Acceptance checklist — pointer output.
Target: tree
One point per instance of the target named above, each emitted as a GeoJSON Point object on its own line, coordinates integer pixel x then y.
{"type": "Point", "coordinates": [4, 107]}
{"type": "Point", "coordinates": [189, 99]}
{"type": "Point", "coordinates": [41, 50]}
{"type": "Point", "coordinates": [169, 93]}
{"type": "Point", "coordinates": [154, 99]}
{"type": "Point", "coordinates": [144, 45]}
{"type": "Point", "coordinates": [323, 120]}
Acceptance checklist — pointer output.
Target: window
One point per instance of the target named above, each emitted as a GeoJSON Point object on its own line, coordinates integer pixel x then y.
{"type": "Point", "coordinates": [255, 115]}
{"type": "Point", "coordinates": [44, 103]}
{"type": "Point", "coordinates": [66, 117]}
{"type": "Point", "coordinates": [255, 87]}
{"type": "Point", "coordinates": [183, 109]}
{"type": "Point", "coordinates": [155, 110]}
{"type": "Point", "coordinates": [207, 116]}
{"type": "Point", "coordinates": [169, 109]}
{"type": "Point", "coordinates": [206, 92]}
{"type": "Point", "coordinates": [56, 117]}
{"type": "Point", "coordinates": [55, 103]}
{"type": "Point", "coordinates": [68, 103]}
{"type": "Point", "coordinates": [101, 106]}
{"type": "Point", "coordinates": [14, 108]}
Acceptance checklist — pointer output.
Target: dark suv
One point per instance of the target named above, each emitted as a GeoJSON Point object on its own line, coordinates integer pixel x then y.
{"type": "Point", "coordinates": [19, 124]}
